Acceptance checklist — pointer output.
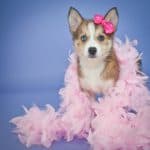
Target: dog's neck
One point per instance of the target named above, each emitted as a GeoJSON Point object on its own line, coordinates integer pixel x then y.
{"type": "Point", "coordinates": [91, 63]}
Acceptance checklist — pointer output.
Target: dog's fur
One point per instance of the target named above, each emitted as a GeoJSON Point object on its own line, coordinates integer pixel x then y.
{"type": "Point", "coordinates": [100, 71]}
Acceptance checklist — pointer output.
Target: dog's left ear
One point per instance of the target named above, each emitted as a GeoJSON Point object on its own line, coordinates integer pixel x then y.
{"type": "Point", "coordinates": [112, 16]}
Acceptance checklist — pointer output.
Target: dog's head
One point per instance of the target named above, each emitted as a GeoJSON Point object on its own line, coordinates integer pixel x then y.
{"type": "Point", "coordinates": [90, 39]}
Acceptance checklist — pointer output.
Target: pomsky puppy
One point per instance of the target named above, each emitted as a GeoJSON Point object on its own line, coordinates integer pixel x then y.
{"type": "Point", "coordinates": [98, 67]}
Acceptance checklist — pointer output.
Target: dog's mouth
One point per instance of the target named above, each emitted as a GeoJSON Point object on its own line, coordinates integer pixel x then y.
{"type": "Point", "coordinates": [91, 56]}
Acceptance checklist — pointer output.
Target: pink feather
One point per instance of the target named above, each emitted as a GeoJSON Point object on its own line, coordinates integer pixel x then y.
{"type": "Point", "coordinates": [119, 120]}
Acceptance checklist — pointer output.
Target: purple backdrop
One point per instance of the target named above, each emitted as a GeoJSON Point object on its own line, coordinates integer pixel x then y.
{"type": "Point", "coordinates": [34, 46]}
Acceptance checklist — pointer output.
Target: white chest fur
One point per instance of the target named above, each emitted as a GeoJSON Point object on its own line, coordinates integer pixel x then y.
{"type": "Point", "coordinates": [92, 78]}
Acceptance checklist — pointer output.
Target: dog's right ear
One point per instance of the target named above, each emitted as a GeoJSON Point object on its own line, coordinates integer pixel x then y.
{"type": "Point", "coordinates": [74, 19]}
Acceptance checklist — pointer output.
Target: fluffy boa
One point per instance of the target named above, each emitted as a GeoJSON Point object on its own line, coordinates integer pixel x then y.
{"type": "Point", "coordinates": [120, 120]}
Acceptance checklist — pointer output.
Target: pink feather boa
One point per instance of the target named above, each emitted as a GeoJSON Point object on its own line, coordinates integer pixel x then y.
{"type": "Point", "coordinates": [118, 121]}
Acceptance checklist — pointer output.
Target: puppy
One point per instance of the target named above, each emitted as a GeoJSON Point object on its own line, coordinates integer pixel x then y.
{"type": "Point", "coordinates": [98, 68]}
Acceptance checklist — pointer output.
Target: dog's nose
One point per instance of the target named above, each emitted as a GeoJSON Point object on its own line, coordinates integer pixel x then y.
{"type": "Point", "coordinates": [92, 51]}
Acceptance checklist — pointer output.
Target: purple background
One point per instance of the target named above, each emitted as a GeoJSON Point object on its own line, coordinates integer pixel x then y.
{"type": "Point", "coordinates": [34, 46]}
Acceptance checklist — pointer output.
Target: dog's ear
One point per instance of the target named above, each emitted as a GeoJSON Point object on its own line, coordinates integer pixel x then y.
{"type": "Point", "coordinates": [112, 15]}
{"type": "Point", "coordinates": [74, 19]}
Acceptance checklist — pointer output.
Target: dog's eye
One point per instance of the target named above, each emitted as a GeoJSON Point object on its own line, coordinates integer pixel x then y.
{"type": "Point", "coordinates": [83, 38]}
{"type": "Point", "coordinates": [101, 38]}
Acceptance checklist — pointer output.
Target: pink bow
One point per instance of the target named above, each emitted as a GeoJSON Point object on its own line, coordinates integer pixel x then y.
{"type": "Point", "coordinates": [107, 25]}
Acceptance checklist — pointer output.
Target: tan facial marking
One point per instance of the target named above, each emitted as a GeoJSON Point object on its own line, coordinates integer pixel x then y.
{"type": "Point", "coordinates": [92, 32]}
